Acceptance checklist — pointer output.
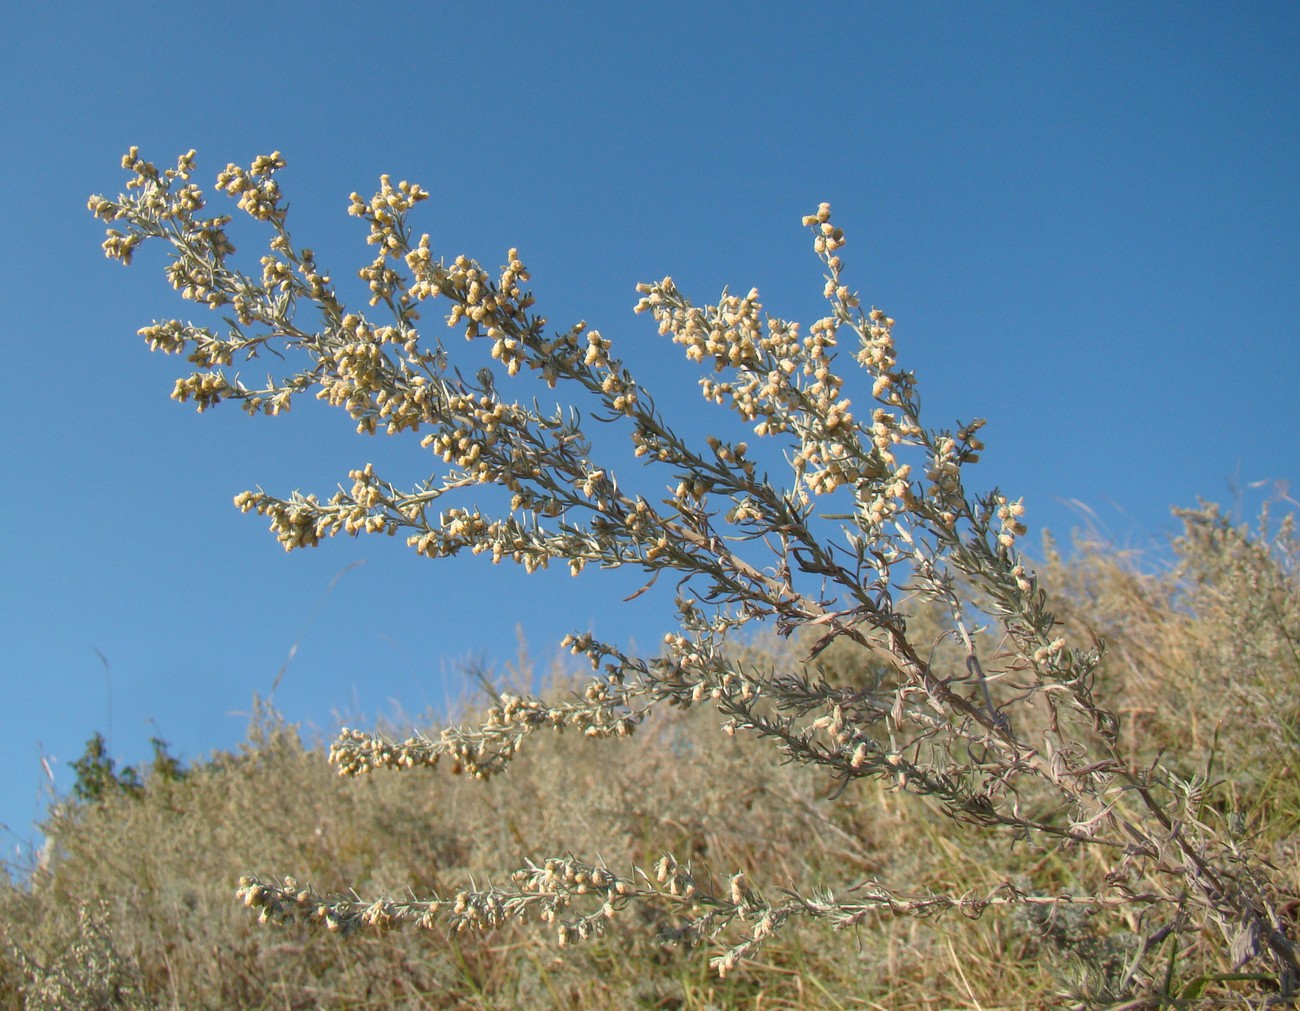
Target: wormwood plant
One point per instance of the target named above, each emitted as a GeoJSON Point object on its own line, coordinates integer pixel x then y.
{"type": "Point", "coordinates": [994, 722]}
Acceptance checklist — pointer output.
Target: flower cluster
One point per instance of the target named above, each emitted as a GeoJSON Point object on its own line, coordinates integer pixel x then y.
{"type": "Point", "coordinates": [257, 190]}
{"type": "Point", "coordinates": [484, 750]}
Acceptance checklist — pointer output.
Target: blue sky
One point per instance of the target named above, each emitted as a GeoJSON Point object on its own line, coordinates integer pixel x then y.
{"type": "Point", "coordinates": [1084, 217]}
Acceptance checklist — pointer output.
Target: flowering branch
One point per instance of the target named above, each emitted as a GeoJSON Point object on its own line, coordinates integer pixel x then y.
{"type": "Point", "coordinates": [1007, 737]}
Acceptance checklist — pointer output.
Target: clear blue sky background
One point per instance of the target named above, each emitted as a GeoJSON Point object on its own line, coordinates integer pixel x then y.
{"type": "Point", "coordinates": [1084, 217]}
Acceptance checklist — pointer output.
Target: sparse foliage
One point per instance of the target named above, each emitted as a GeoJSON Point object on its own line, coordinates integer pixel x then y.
{"type": "Point", "coordinates": [964, 691]}
{"type": "Point", "coordinates": [98, 775]}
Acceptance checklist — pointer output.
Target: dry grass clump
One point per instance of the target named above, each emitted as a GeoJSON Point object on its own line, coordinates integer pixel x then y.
{"type": "Point", "coordinates": [1203, 655]}
{"type": "Point", "coordinates": [133, 905]}
{"type": "Point", "coordinates": [143, 885]}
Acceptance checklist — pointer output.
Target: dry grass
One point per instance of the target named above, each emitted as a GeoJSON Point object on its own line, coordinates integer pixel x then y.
{"type": "Point", "coordinates": [134, 906]}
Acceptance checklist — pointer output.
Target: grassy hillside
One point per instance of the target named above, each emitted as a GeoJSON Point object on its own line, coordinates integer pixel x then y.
{"type": "Point", "coordinates": [134, 904]}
